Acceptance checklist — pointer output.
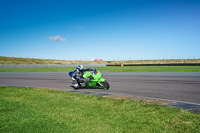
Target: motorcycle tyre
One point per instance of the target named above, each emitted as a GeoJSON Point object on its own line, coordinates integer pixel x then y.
{"type": "Point", "coordinates": [105, 84]}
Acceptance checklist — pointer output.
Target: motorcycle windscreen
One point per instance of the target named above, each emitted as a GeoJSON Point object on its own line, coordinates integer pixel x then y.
{"type": "Point", "coordinates": [71, 74]}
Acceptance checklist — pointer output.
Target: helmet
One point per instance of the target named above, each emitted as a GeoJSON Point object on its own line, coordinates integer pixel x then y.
{"type": "Point", "coordinates": [80, 67]}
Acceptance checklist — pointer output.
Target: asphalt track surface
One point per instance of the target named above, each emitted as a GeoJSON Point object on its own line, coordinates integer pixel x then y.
{"type": "Point", "coordinates": [178, 86]}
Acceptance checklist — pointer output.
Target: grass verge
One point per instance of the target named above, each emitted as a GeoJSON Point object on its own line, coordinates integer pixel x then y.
{"type": "Point", "coordinates": [110, 69]}
{"type": "Point", "coordinates": [40, 110]}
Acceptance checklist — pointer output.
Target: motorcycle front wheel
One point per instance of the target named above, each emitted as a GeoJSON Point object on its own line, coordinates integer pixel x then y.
{"type": "Point", "coordinates": [105, 85]}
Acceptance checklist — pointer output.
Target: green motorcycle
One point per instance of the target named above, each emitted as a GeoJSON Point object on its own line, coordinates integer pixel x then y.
{"type": "Point", "coordinates": [95, 79]}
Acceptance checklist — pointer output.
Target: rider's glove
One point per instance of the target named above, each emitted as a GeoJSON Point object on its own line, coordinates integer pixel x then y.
{"type": "Point", "coordinates": [89, 78]}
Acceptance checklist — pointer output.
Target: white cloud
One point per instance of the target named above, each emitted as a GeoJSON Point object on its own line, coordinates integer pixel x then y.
{"type": "Point", "coordinates": [79, 27]}
{"type": "Point", "coordinates": [57, 38]}
{"type": "Point", "coordinates": [76, 27]}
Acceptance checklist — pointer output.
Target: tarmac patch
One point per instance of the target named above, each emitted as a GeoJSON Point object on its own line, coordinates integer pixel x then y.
{"type": "Point", "coordinates": [192, 107]}
{"type": "Point", "coordinates": [195, 108]}
{"type": "Point", "coordinates": [92, 93]}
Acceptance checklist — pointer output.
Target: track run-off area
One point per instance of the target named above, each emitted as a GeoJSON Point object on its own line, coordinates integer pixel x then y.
{"type": "Point", "coordinates": [174, 86]}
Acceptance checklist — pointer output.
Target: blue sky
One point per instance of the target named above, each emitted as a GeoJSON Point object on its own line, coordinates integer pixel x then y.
{"type": "Point", "coordinates": [100, 29]}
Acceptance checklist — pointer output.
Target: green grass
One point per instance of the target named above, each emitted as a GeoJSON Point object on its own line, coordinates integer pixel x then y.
{"type": "Point", "coordinates": [50, 69]}
{"type": "Point", "coordinates": [110, 69]}
{"type": "Point", "coordinates": [39, 110]}
{"type": "Point", "coordinates": [149, 68]}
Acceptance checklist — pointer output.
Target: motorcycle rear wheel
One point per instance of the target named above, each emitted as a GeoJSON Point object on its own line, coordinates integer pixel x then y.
{"type": "Point", "coordinates": [105, 85]}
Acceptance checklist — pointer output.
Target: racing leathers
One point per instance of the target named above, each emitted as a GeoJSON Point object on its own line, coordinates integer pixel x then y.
{"type": "Point", "coordinates": [78, 79]}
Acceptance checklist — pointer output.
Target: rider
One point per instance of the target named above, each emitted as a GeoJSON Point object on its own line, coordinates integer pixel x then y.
{"type": "Point", "coordinates": [77, 77]}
